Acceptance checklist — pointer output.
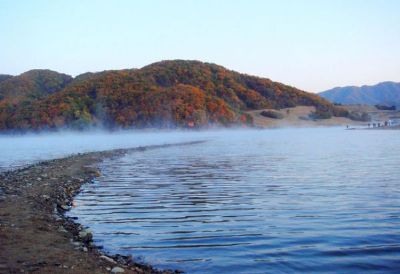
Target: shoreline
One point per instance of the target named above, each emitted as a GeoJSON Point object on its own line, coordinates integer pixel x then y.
{"type": "Point", "coordinates": [377, 128]}
{"type": "Point", "coordinates": [35, 234]}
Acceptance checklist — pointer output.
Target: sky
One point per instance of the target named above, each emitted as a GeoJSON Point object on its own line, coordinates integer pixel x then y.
{"type": "Point", "coordinates": [313, 45]}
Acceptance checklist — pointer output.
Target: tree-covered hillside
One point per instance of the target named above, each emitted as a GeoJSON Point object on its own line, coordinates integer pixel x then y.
{"type": "Point", "coordinates": [31, 85]}
{"type": "Point", "coordinates": [164, 94]}
{"type": "Point", "coordinates": [4, 77]}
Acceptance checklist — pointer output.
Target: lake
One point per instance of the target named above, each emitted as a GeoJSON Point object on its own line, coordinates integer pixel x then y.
{"type": "Point", "coordinates": [253, 201]}
{"type": "Point", "coordinates": [20, 150]}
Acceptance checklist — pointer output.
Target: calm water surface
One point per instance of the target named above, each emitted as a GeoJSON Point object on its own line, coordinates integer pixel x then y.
{"type": "Point", "coordinates": [304, 200]}
{"type": "Point", "coordinates": [17, 151]}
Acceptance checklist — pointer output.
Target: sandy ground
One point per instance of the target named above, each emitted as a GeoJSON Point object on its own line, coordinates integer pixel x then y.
{"type": "Point", "coordinates": [292, 118]}
{"type": "Point", "coordinates": [36, 237]}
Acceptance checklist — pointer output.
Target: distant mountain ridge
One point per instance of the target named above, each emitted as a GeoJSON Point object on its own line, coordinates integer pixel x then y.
{"type": "Point", "coordinates": [175, 93]}
{"type": "Point", "coordinates": [385, 93]}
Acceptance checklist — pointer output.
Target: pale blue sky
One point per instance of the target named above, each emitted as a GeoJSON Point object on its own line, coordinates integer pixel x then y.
{"type": "Point", "coordinates": [311, 44]}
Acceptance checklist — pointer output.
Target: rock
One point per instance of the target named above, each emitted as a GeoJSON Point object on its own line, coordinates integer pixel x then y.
{"type": "Point", "coordinates": [65, 207]}
{"type": "Point", "coordinates": [121, 259]}
{"type": "Point", "coordinates": [117, 269]}
{"type": "Point", "coordinates": [97, 173]}
{"type": "Point", "coordinates": [84, 233]}
{"type": "Point", "coordinates": [87, 239]}
{"type": "Point", "coordinates": [76, 244]}
{"type": "Point", "coordinates": [62, 229]}
{"type": "Point", "coordinates": [108, 259]}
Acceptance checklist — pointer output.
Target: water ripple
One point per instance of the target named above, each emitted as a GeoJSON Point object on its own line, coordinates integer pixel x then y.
{"type": "Point", "coordinates": [269, 202]}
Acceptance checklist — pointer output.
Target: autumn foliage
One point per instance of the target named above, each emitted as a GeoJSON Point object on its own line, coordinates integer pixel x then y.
{"type": "Point", "coordinates": [164, 94]}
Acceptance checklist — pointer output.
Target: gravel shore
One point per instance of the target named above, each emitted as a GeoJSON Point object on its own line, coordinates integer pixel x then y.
{"type": "Point", "coordinates": [35, 234]}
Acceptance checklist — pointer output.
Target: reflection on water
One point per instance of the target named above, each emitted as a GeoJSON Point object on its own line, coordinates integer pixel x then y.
{"type": "Point", "coordinates": [309, 200]}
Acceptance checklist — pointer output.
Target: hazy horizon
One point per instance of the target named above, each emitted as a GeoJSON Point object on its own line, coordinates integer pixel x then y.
{"type": "Point", "coordinates": [311, 45]}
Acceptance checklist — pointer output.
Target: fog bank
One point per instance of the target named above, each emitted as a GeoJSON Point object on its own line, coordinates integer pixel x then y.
{"type": "Point", "coordinates": [20, 150]}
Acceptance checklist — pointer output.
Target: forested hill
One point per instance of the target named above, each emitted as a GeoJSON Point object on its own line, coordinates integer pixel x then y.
{"type": "Point", "coordinates": [31, 85]}
{"type": "Point", "coordinates": [164, 94]}
{"type": "Point", "coordinates": [4, 77]}
{"type": "Point", "coordinates": [385, 93]}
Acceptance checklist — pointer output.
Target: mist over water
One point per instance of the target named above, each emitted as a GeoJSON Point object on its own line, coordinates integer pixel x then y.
{"type": "Point", "coordinates": [270, 201]}
{"type": "Point", "coordinates": [21, 150]}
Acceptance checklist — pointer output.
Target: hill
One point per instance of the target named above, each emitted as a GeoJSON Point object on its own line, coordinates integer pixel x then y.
{"type": "Point", "coordinates": [385, 93]}
{"type": "Point", "coordinates": [164, 94]}
{"type": "Point", "coordinates": [33, 84]}
{"type": "Point", "coordinates": [4, 77]}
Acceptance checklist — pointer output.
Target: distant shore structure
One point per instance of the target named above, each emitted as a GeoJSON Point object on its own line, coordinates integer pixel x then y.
{"type": "Point", "coordinates": [386, 123]}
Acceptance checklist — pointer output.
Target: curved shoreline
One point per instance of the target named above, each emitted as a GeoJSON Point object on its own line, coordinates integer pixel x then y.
{"type": "Point", "coordinates": [35, 234]}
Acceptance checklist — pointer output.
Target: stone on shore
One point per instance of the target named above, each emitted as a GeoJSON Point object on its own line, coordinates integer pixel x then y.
{"type": "Point", "coordinates": [117, 269]}
{"type": "Point", "coordinates": [108, 259]}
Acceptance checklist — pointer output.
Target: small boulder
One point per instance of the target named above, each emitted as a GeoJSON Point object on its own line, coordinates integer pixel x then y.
{"type": "Point", "coordinates": [108, 259]}
{"type": "Point", "coordinates": [86, 236]}
{"type": "Point", "coordinates": [62, 229]}
{"type": "Point", "coordinates": [65, 207]}
{"type": "Point", "coordinates": [84, 233]}
{"type": "Point", "coordinates": [117, 269]}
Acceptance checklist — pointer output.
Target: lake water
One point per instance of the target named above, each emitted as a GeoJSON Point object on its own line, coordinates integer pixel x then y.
{"type": "Point", "coordinates": [271, 201]}
{"type": "Point", "coordinates": [20, 150]}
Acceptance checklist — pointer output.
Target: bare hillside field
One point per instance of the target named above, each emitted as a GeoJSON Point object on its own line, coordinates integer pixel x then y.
{"type": "Point", "coordinates": [298, 117]}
